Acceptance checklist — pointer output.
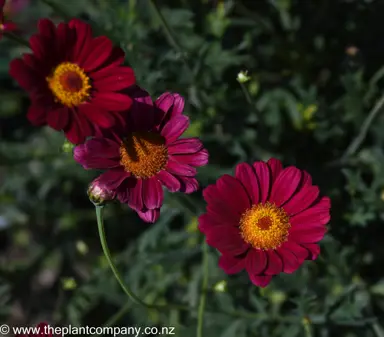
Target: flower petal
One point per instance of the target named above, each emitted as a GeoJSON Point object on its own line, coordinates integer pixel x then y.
{"type": "Point", "coordinates": [264, 177]}
{"type": "Point", "coordinates": [152, 193]}
{"type": "Point", "coordinates": [113, 179]}
{"type": "Point", "coordinates": [247, 176]}
{"type": "Point", "coordinates": [304, 198]}
{"type": "Point", "coordinates": [98, 153]}
{"type": "Point", "coordinates": [114, 79]}
{"type": "Point", "coordinates": [58, 118]}
{"type": "Point", "coordinates": [112, 101]}
{"type": "Point", "coordinates": [315, 216]}
{"type": "Point", "coordinates": [217, 207]}
{"type": "Point", "coordinates": [184, 146]}
{"type": "Point", "coordinates": [275, 264]}
{"type": "Point", "coordinates": [255, 261]}
{"type": "Point", "coordinates": [290, 260]}
{"type": "Point", "coordinates": [231, 265]}
{"type": "Point", "coordinates": [171, 105]}
{"type": "Point", "coordinates": [300, 252]}
{"type": "Point", "coordinates": [207, 220]}
{"type": "Point", "coordinates": [276, 167]}
{"type": "Point", "coordinates": [308, 235]}
{"type": "Point", "coordinates": [226, 240]}
{"type": "Point", "coordinates": [99, 51]}
{"type": "Point", "coordinates": [37, 115]}
{"type": "Point", "coordinates": [188, 184]}
{"type": "Point", "coordinates": [135, 200]}
{"type": "Point", "coordinates": [97, 115]}
{"type": "Point", "coordinates": [175, 128]}
{"type": "Point", "coordinates": [260, 281]}
{"type": "Point", "coordinates": [169, 181]}
{"type": "Point", "coordinates": [233, 194]}
{"type": "Point", "coordinates": [151, 215]}
{"type": "Point", "coordinates": [194, 159]}
{"type": "Point", "coordinates": [313, 248]}
{"type": "Point", "coordinates": [180, 169]}
{"type": "Point", "coordinates": [285, 185]}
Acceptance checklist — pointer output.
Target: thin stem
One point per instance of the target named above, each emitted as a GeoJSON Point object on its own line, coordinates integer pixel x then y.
{"type": "Point", "coordinates": [107, 253]}
{"type": "Point", "coordinates": [169, 35]}
{"type": "Point", "coordinates": [250, 101]}
{"type": "Point", "coordinates": [352, 148]}
{"type": "Point", "coordinates": [57, 8]}
{"type": "Point", "coordinates": [126, 289]}
{"type": "Point", "coordinates": [378, 330]}
{"type": "Point", "coordinates": [200, 317]}
{"type": "Point", "coordinates": [18, 39]}
{"type": "Point", "coordinates": [117, 316]}
{"type": "Point", "coordinates": [307, 327]}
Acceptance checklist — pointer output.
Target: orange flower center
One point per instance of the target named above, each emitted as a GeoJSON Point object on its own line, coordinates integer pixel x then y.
{"type": "Point", "coordinates": [143, 154]}
{"type": "Point", "coordinates": [264, 226]}
{"type": "Point", "coordinates": [69, 84]}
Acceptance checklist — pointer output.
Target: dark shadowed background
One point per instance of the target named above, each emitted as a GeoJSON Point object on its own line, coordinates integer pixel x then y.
{"type": "Point", "coordinates": [316, 72]}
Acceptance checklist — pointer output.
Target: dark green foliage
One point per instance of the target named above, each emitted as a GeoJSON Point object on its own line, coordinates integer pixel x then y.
{"type": "Point", "coordinates": [310, 95]}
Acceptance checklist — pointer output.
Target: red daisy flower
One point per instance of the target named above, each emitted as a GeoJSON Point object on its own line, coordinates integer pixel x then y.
{"type": "Point", "coordinates": [5, 26]}
{"type": "Point", "coordinates": [147, 155]}
{"type": "Point", "coordinates": [75, 81]}
{"type": "Point", "coordinates": [266, 219]}
{"type": "Point", "coordinates": [41, 330]}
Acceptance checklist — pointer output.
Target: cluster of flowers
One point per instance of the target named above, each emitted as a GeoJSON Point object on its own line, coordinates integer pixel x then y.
{"type": "Point", "coordinates": [265, 219]}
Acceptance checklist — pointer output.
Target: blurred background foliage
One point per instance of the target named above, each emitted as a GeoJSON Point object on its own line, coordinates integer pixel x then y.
{"type": "Point", "coordinates": [316, 79]}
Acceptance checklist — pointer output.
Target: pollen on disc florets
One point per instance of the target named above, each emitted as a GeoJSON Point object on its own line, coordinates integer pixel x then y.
{"type": "Point", "coordinates": [69, 84]}
{"type": "Point", "coordinates": [143, 154]}
{"type": "Point", "coordinates": [265, 226]}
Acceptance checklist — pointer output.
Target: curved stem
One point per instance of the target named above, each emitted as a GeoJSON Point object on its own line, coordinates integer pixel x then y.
{"type": "Point", "coordinates": [200, 317]}
{"type": "Point", "coordinates": [18, 39]}
{"type": "Point", "coordinates": [57, 8]}
{"type": "Point", "coordinates": [170, 36]}
{"type": "Point", "coordinates": [107, 253]}
{"type": "Point", "coordinates": [352, 148]}
{"type": "Point", "coordinates": [126, 289]}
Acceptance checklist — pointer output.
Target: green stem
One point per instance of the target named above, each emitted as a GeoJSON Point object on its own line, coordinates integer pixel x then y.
{"type": "Point", "coordinates": [250, 101]}
{"type": "Point", "coordinates": [116, 317]}
{"type": "Point", "coordinates": [168, 32]}
{"type": "Point", "coordinates": [126, 289]}
{"type": "Point", "coordinates": [107, 253]}
{"type": "Point", "coordinates": [352, 148]}
{"type": "Point", "coordinates": [18, 39]}
{"type": "Point", "coordinates": [307, 327]}
{"type": "Point", "coordinates": [57, 8]}
{"type": "Point", "coordinates": [204, 286]}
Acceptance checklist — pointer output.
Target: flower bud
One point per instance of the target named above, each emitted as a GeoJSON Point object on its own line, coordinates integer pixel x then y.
{"type": "Point", "coordinates": [242, 76]}
{"type": "Point", "coordinates": [99, 194]}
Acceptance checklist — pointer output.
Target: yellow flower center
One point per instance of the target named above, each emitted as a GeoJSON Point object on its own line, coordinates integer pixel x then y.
{"type": "Point", "coordinates": [69, 84]}
{"type": "Point", "coordinates": [2, 27]}
{"type": "Point", "coordinates": [143, 154]}
{"type": "Point", "coordinates": [264, 226]}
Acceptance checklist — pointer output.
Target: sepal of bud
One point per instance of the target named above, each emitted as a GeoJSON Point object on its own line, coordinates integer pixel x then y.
{"type": "Point", "coordinates": [99, 194]}
{"type": "Point", "coordinates": [67, 147]}
{"type": "Point", "coordinates": [242, 76]}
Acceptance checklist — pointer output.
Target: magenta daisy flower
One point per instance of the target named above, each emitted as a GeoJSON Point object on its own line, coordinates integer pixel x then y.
{"type": "Point", "coordinates": [265, 219]}
{"type": "Point", "coordinates": [76, 82]}
{"type": "Point", "coordinates": [146, 155]}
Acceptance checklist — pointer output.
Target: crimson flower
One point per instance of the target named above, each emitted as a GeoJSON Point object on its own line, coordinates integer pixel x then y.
{"type": "Point", "coordinates": [75, 81]}
{"type": "Point", "coordinates": [5, 25]}
{"type": "Point", "coordinates": [265, 219]}
{"type": "Point", "coordinates": [41, 330]}
{"type": "Point", "coordinates": [146, 155]}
